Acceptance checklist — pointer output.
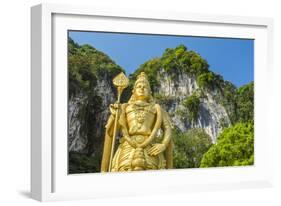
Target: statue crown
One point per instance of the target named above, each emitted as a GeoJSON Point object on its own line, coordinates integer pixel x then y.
{"type": "Point", "coordinates": [142, 77]}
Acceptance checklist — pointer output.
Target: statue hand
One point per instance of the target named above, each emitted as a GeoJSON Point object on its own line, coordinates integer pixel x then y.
{"type": "Point", "coordinates": [113, 108]}
{"type": "Point", "coordinates": [134, 144]}
{"type": "Point", "coordinates": [131, 142]}
{"type": "Point", "coordinates": [156, 149]}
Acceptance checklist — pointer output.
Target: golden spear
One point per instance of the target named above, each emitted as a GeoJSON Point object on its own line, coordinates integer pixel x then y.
{"type": "Point", "coordinates": [121, 82]}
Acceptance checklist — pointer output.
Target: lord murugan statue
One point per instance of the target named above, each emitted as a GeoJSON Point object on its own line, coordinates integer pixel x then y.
{"type": "Point", "coordinates": [145, 131]}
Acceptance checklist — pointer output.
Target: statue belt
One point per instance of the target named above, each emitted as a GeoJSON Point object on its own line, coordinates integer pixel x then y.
{"type": "Point", "coordinates": [137, 138]}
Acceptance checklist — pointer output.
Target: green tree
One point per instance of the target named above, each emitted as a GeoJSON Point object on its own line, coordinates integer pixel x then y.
{"type": "Point", "coordinates": [189, 147]}
{"type": "Point", "coordinates": [206, 80]}
{"type": "Point", "coordinates": [234, 147]}
{"type": "Point", "coordinates": [245, 103]}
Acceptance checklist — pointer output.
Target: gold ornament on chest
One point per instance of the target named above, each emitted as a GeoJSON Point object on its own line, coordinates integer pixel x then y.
{"type": "Point", "coordinates": [140, 116]}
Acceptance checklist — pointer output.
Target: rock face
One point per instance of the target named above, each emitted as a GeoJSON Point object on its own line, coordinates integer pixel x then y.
{"type": "Point", "coordinates": [77, 140]}
{"type": "Point", "coordinates": [88, 116]}
{"type": "Point", "coordinates": [211, 114]}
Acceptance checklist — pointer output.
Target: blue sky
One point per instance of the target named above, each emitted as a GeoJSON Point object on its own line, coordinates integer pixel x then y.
{"type": "Point", "coordinates": [231, 58]}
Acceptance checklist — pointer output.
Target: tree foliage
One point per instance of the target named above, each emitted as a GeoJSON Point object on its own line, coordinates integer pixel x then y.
{"type": "Point", "coordinates": [234, 147]}
{"type": "Point", "coordinates": [238, 102]}
{"type": "Point", "coordinates": [180, 59]}
{"type": "Point", "coordinates": [189, 147]}
{"type": "Point", "coordinates": [86, 65]}
{"type": "Point", "coordinates": [245, 103]}
{"type": "Point", "coordinates": [206, 80]}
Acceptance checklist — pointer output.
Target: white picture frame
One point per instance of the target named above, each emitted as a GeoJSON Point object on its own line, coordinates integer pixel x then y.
{"type": "Point", "coordinates": [49, 178]}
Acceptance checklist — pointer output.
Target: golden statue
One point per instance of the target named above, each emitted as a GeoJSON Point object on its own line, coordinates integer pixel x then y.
{"type": "Point", "coordinates": [145, 128]}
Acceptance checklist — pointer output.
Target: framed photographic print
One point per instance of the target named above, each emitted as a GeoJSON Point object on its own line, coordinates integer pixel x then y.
{"type": "Point", "coordinates": [135, 102]}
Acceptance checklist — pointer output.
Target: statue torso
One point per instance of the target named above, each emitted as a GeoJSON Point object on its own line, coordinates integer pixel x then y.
{"type": "Point", "coordinates": [140, 118]}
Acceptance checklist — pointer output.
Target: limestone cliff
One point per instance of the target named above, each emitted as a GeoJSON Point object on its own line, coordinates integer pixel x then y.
{"type": "Point", "coordinates": [172, 93]}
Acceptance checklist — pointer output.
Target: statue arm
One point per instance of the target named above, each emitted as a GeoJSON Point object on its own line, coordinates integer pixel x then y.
{"type": "Point", "coordinates": [165, 145]}
{"type": "Point", "coordinates": [167, 128]}
{"type": "Point", "coordinates": [167, 140]}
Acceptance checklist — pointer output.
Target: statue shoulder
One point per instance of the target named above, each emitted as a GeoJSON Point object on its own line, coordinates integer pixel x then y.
{"type": "Point", "coordinates": [124, 107]}
{"type": "Point", "coordinates": [127, 107]}
{"type": "Point", "coordinates": [165, 115]}
{"type": "Point", "coordinates": [158, 106]}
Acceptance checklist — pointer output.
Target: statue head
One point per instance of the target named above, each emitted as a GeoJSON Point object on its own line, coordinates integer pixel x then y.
{"type": "Point", "coordinates": [141, 90]}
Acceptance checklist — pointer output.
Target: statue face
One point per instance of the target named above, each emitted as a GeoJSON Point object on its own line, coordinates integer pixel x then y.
{"type": "Point", "coordinates": [141, 91]}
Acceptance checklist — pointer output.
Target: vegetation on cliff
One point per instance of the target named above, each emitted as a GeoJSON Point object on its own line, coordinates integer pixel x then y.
{"type": "Point", "coordinates": [245, 103]}
{"type": "Point", "coordinates": [173, 62]}
{"type": "Point", "coordinates": [86, 65]}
